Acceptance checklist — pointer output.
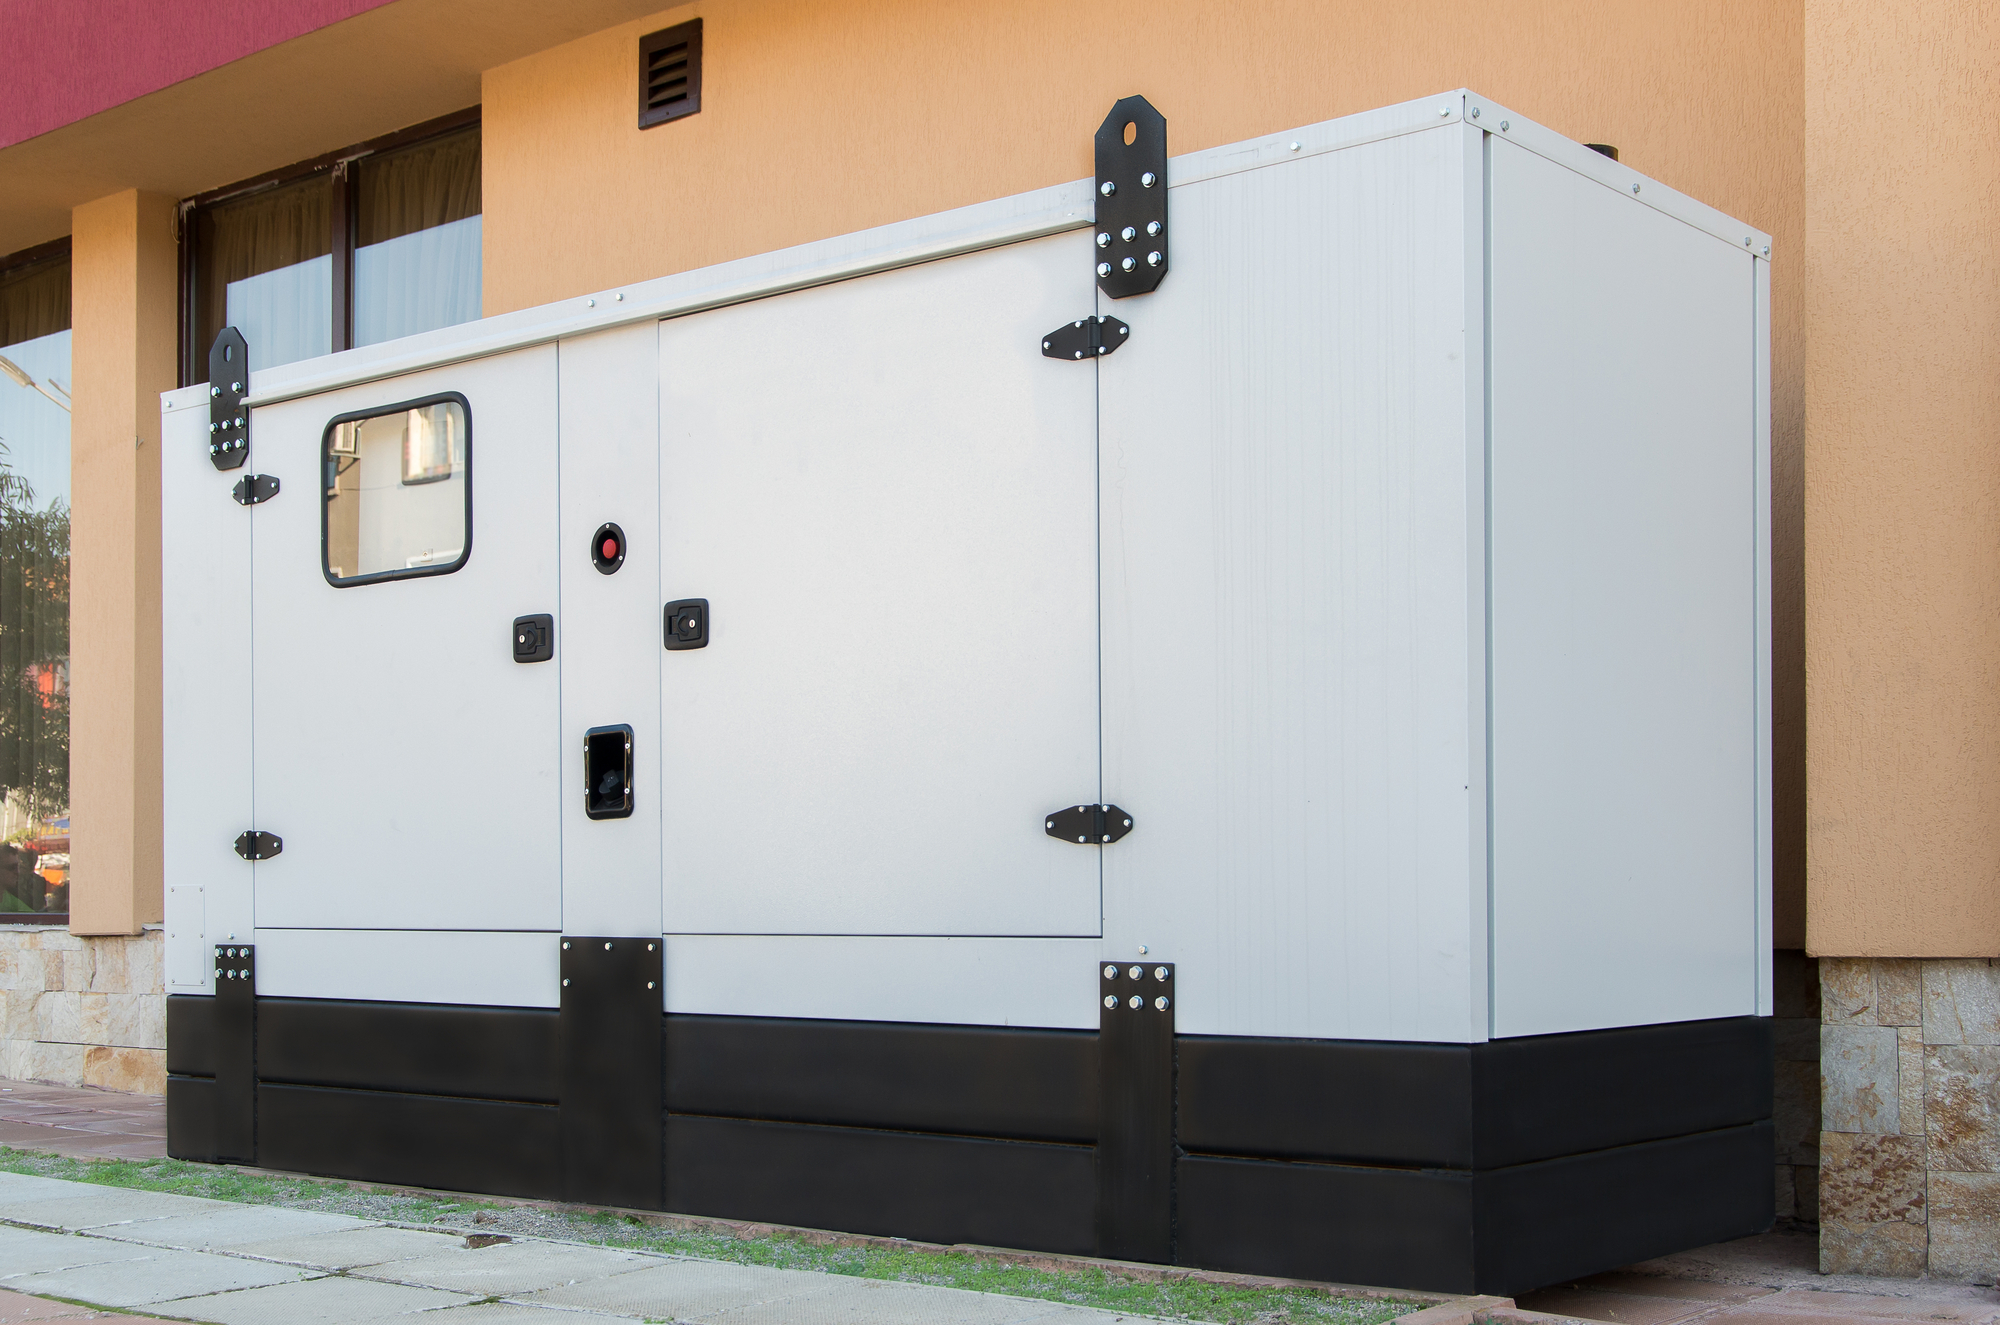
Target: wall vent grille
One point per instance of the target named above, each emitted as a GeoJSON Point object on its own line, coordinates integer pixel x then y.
{"type": "Point", "coordinates": [669, 74]}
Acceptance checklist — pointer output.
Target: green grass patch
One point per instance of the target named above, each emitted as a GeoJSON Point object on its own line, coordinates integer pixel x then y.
{"type": "Point", "coordinates": [1180, 1299]}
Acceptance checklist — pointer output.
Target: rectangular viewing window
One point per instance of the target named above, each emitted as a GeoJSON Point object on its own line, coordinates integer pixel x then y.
{"type": "Point", "coordinates": [398, 495]}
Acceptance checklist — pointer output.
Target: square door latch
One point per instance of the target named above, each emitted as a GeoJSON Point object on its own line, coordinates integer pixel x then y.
{"type": "Point", "coordinates": [686, 624]}
{"type": "Point", "coordinates": [534, 638]}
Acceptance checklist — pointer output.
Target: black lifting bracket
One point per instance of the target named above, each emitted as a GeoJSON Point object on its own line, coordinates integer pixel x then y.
{"type": "Point", "coordinates": [1089, 824]}
{"type": "Point", "coordinates": [257, 845]}
{"type": "Point", "coordinates": [1131, 233]}
{"type": "Point", "coordinates": [228, 388]}
{"type": "Point", "coordinates": [254, 488]}
{"type": "Point", "coordinates": [1086, 338]}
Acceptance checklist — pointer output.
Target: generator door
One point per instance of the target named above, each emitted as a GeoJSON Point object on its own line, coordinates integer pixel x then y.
{"type": "Point", "coordinates": [402, 755]}
{"type": "Point", "coordinates": [879, 502]}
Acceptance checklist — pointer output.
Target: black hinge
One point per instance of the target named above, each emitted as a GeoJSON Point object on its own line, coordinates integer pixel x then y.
{"type": "Point", "coordinates": [1131, 234]}
{"type": "Point", "coordinates": [254, 488]}
{"type": "Point", "coordinates": [1085, 339]}
{"type": "Point", "coordinates": [256, 845]}
{"type": "Point", "coordinates": [1089, 824]}
{"type": "Point", "coordinates": [228, 387]}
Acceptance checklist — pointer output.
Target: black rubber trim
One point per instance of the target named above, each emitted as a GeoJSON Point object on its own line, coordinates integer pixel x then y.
{"type": "Point", "coordinates": [1567, 1094]}
{"type": "Point", "coordinates": [191, 1117]}
{"type": "Point", "coordinates": [1480, 1107]}
{"type": "Point", "coordinates": [1036, 1085]}
{"type": "Point", "coordinates": [417, 1140]}
{"type": "Point", "coordinates": [1503, 1231]}
{"type": "Point", "coordinates": [611, 1042]}
{"type": "Point", "coordinates": [899, 1184]}
{"type": "Point", "coordinates": [191, 1035]}
{"type": "Point", "coordinates": [413, 1048]}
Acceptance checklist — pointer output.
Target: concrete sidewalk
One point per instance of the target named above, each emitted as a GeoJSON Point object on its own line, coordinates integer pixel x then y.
{"type": "Point", "coordinates": [252, 1265]}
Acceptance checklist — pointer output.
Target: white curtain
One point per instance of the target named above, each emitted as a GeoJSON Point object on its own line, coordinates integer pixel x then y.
{"type": "Point", "coordinates": [417, 282]}
{"type": "Point", "coordinates": [286, 314]}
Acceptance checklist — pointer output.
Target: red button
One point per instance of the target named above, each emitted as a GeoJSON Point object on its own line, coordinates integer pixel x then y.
{"type": "Point", "coordinates": [610, 549]}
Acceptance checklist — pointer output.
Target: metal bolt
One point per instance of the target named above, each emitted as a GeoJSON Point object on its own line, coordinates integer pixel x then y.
{"type": "Point", "coordinates": [1129, 263]}
{"type": "Point", "coordinates": [649, 984]}
{"type": "Point", "coordinates": [1295, 147]}
{"type": "Point", "coordinates": [1444, 110]}
{"type": "Point", "coordinates": [1128, 823]}
{"type": "Point", "coordinates": [1159, 972]}
{"type": "Point", "coordinates": [1767, 250]}
{"type": "Point", "coordinates": [590, 303]}
{"type": "Point", "coordinates": [1149, 179]}
{"type": "Point", "coordinates": [566, 941]}
{"type": "Point", "coordinates": [1107, 188]}
{"type": "Point", "coordinates": [1103, 238]}
{"type": "Point", "coordinates": [1635, 188]}
{"type": "Point", "coordinates": [1107, 836]}
{"type": "Point", "coordinates": [1475, 112]}
{"type": "Point", "coordinates": [1153, 258]}
{"type": "Point", "coordinates": [211, 427]}
{"type": "Point", "coordinates": [1080, 837]}
{"type": "Point", "coordinates": [1111, 1000]}
{"type": "Point", "coordinates": [1103, 269]}
{"type": "Point", "coordinates": [1137, 972]}
{"type": "Point", "coordinates": [565, 978]}
{"type": "Point", "coordinates": [1503, 126]}
{"type": "Point", "coordinates": [235, 386]}
{"type": "Point", "coordinates": [1128, 234]}
{"type": "Point", "coordinates": [649, 947]}
{"type": "Point", "coordinates": [620, 297]}
{"type": "Point", "coordinates": [215, 450]}
{"type": "Point", "coordinates": [1161, 1002]}
{"type": "Point", "coordinates": [607, 947]}
{"type": "Point", "coordinates": [1111, 972]}
{"type": "Point", "coordinates": [1746, 241]}
{"type": "Point", "coordinates": [1152, 228]}
{"type": "Point", "coordinates": [1104, 349]}
{"type": "Point", "coordinates": [1142, 949]}
{"type": "Point", "coordinates": [215, 391]}
{"type": "Point", "coordinates": [1137, 1002]}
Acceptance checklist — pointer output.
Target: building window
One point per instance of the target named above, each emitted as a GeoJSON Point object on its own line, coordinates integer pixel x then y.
{"type": "Point", "coordinates": [363, 245]}
{"type": "Point", "coordinates": [34, 584]}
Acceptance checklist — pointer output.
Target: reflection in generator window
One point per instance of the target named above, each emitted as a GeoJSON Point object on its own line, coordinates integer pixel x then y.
{"type": "Point", "coordinates": [398, 492]}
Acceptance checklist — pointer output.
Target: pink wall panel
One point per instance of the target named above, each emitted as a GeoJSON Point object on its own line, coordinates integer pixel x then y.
{"type": "Point", "coordinates": [66, 60]}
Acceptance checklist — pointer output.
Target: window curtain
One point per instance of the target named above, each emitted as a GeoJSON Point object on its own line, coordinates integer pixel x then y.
{"type": "Point", "coordinates": [417, 238]}
{"type": "Point", "coordinates": [263, 265]}
{"type": "Point", "coordinates": [34, 300]}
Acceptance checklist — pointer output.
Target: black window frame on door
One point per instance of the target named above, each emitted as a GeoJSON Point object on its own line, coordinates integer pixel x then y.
{"type": "Point", "coordinates": [338, 168]}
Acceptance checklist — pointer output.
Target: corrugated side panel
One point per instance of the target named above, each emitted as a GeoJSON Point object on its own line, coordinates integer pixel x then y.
{"type": "Point", "coordinates": [1624, 555]}
{"type": "Point", "coordinates": [1287, 601]}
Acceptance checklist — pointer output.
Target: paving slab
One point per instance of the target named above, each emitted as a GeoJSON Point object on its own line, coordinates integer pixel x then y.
{"type": "Point", "coordinates": [513, 1313]}
{"type": "Point", "coordinates": [231, 1226]}
{"type": "Point", "coordinates": [333, 1301]}
{"type": "Point", "coordinates": [709, 1292]}
{"type": "Point", "coordinates": [27, 1187]}
{"type": "Point", "coordinates": [375, 1245]}
{"type": "Point", "coordinates": [511, 1268]}
{"type": "Point", "coordinates": [158, 1276]}
{"type": "Point", "coordinates": [29, 1251]}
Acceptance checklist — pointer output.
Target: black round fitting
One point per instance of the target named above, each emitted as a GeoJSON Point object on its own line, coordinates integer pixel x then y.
{"type": "Point", "coordinates": [607, 549]}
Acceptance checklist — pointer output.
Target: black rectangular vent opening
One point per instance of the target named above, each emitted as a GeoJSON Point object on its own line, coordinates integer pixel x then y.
{"type": "Point", "coordinates": [669, 74]}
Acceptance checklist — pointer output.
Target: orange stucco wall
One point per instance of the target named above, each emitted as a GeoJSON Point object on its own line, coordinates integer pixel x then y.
{"type": "Point", "coordinates": [822, 118]}
{"type": "Point", "coordinates": [1902, 377]}
{"type": "Point", "coordinates": [123, 297]}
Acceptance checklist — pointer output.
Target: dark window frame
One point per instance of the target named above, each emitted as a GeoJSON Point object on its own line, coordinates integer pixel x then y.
{"type": "Point", "coordinates": [326, 454]}
{"type": "Point", "coordinates": [338, 166]}
{"type": "Point", "coordinates": [651, 116]}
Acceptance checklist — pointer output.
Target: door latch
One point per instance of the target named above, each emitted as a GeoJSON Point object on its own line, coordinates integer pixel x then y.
{"type": "Point", "coordinates": [534, 638]}
{"type": "Point", "coordinates": [1092, 825]}
{"type": "Point", "coordinates": [685, 624]}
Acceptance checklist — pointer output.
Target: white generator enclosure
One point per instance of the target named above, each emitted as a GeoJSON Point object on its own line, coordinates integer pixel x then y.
{"type": "Point", "coordinates": [1254, 754]}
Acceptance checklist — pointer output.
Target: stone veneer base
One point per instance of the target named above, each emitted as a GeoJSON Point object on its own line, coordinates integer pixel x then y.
{"type": "Point", "coordinates": [1910, 1117]}
{"type": "Point", "coordinates": [83, 1011]}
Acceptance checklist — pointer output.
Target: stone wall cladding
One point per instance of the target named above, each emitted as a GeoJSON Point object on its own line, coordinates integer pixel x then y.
{"type": "Point", "coordinates": [83, 1011]}
{"type": "Point", "coordinates": [1909, 1180]}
